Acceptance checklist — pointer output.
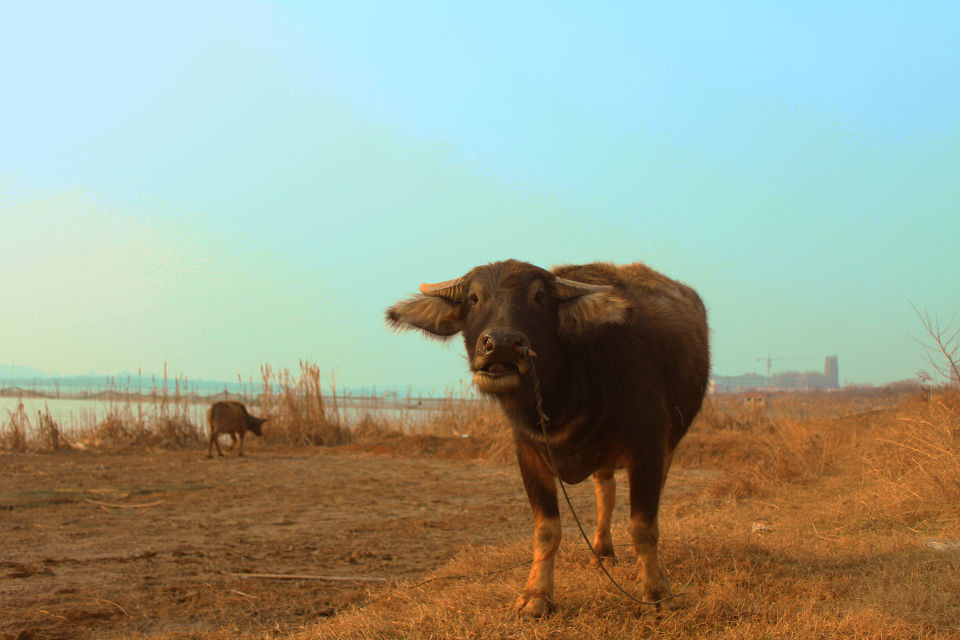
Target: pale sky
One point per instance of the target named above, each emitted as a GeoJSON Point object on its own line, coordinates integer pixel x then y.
{"type": "Point", "coordinates": [216, 186]}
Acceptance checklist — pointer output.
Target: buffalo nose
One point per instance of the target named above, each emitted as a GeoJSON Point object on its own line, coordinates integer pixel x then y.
{"type": "Point", "coordinates": [500, 339]}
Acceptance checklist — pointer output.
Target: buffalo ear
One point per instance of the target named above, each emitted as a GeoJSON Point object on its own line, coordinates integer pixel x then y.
{"type": "Point", "coordinates": [584, 314]}
{"type": "Point", "coordinates": [435, 316]}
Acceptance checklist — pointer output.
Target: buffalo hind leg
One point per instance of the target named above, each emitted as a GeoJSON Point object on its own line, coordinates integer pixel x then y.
{"type": "Point", "coordinates": [233, 441]}
{"type": "Point", "coordinates": [537, 597]}
{"type": "Point", "coordinates": [214, 440]}
{"type": "Point", "coordinates": [605, 487]}
{"type": "Point", "coordinates": [645, 484]}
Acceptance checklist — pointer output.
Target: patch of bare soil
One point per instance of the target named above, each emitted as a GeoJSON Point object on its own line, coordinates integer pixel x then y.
{"type": "Point", "coordinates": [135, 542]}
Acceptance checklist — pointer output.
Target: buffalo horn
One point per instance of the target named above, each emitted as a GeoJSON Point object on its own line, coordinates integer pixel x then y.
{"type": "Point", "coordinates": [570, 289]}
{"type": "Point", "coordinates": [450, 289]}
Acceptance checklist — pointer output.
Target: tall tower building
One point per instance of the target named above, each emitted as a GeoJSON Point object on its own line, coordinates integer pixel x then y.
{"type": "Point", "coordinates": [832, 372]}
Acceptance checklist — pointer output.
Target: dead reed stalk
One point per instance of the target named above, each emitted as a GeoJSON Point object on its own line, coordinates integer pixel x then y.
{"type": "Point", "coordinates": [14, 435]}
{"type": "Point", "coordinates": [296, 408]}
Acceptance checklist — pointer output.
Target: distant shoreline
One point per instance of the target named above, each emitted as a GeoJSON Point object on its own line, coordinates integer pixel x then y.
{"type": "Point", "coordinates": [388, 400]}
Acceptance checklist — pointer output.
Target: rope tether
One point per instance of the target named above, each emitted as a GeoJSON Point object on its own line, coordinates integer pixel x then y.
{"type": "Point", "coordinates": [529, 354]}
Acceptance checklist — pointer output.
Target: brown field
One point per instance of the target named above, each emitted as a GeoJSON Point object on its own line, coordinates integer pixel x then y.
{"type": "Point", "coordinates": [820, 516]}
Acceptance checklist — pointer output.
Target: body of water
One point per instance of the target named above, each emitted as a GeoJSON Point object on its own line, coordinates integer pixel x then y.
{"type": "Point", "coordinates": [78, 414]}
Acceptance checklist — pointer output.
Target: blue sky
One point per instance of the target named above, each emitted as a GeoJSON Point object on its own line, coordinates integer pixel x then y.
{"type": "Point", "coordinates": [216, 186]}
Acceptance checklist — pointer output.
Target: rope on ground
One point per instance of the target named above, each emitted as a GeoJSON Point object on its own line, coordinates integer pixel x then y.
{"type": "Point", "coordinates": [124, 506]}
{"type": "Point", "coordinates": [294, 576]}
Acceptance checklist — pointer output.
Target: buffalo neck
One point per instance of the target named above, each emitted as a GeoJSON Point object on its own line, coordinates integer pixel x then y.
{"type": "Point", "coordinates": [572, 392]}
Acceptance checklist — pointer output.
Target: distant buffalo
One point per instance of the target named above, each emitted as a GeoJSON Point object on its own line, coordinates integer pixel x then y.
{"type": "Point", "coordinates": [231, 417]}
{"type": "Point", "coordinates": [620, 357]}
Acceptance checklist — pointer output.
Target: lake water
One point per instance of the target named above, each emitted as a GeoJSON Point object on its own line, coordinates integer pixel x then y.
{"type": "Point", "coordinates": [74, 414]}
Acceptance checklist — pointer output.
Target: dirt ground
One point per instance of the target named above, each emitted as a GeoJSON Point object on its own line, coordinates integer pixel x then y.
{"type": "Point", "coordinates": [145, 543]}
{"type": "Point", "coordinates": [136, 542]}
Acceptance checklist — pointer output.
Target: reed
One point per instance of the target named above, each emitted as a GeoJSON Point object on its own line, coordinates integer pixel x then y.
{"type": "Point", "coordinates": [13, 436]}
{"type": "Point", "coordinates": [297, 409]}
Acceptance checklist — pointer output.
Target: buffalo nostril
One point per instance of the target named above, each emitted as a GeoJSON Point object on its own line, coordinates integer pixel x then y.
{"type": "Point", "coordinates": [488, 344]}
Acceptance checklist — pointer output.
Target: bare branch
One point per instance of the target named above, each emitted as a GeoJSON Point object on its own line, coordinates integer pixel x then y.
{"type": "Point", "coordinates": [942, 354]}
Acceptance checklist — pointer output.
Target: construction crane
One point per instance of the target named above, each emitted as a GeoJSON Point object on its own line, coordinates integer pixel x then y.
{"type": "Point", "coordinates": [769, 360]}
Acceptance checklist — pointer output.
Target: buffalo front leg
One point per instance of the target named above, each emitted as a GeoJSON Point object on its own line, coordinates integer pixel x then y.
{"type": "Point", "coordinates": [537, 597]}
{"type": "Point", "coordinates": [645, 484]}
{"type": "Point", "coordinates": [233, 441]}
{"type": "Point", "coordinates": [242, 434]}
{"type": "Point", "coordinates": [605, 487]}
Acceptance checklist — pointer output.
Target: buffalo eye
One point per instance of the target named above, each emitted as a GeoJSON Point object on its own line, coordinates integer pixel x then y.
{"type": "Point", "coordinates": [474, 299]}
{"type": "Point", "coordinates": [538, 296]}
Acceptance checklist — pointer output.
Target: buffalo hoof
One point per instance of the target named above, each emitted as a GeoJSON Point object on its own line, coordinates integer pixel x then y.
{"type": "Point", "coordinates": [209, 456]}
{"type": "Point", "coordinates": [608, 559]}
{"type": "Point", "coordinates": [658, 596]}
{"type": "Point", "coordinates": [533, 605]}
{"type": "Point", "coordinates": [657, 610]}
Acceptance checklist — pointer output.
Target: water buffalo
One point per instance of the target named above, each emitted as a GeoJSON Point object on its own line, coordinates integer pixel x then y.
{"type": "Point", "coordinates": [230, 417]}
{"type": "Point", "coordinates": [622, 361]}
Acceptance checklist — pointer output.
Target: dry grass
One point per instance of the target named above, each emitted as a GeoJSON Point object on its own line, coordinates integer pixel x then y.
{"type": "Point", "coordinates": [127, 426]}
{"type": "Point", "coordinates": [14, 436]}
{"type": "Point", "coordinates": [845, 493]}
{"type": "Point", "coordinates": [296, 408]}
{"type": "Point", "coordinates": [809, 518]}
{"type": "Point", "coordinates": [917, 460]}
{"type": "Point", "coordinates": [163, 421]}
{"type": "Point", "coordinates": [783, 585]}
{"type": "Point", "coordinates": [301, 413]}
{"type": "Point", "coordinates": [304, 409]}
{"type": "Point", "coordinates": [20, 433]}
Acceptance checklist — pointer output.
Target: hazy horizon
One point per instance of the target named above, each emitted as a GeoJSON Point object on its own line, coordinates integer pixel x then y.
{"type": "Point", "coordinates": [216, 186]}
{"type": "Point", "coordinates": [16, 373]}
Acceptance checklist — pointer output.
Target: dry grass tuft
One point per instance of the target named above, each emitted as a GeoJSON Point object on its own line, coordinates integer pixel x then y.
{"type": "Point", "coordinates": [302, 414]}
{"type": "Point", "coordinates": [15, 434]}
{"type": "Point", "coordinates": [297, 409]}
{"type": "Point", "coordinates": [126, 427]}
{"type": "Point", "coordinates": [917, 459]}
{"type": "Point", "coordinates": [176, 432]}
{"type": "Point", "coordinates": [13, 437]}
{"type": "Point", "coordinates": [50, 432]}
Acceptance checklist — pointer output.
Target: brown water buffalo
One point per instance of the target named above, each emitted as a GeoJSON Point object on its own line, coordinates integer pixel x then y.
{"type": "Point", "coordinates": [230, 417]}
{"type": "Point", "coordinates": [622, 360]}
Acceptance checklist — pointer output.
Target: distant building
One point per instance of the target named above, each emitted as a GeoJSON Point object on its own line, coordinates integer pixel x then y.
{"type": "Point", "coordinates": [832, 372]}
{"type": "Point", "coordinates": [737, 384]}
{"type": "Point", "coordinates": [790, 381]}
